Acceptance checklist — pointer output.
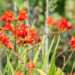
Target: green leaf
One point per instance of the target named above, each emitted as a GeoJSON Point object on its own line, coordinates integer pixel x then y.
{"type": "Point", "coordinates": [44, 53]}
{"type": "Point", "coordinates": [72, 68]}
{"type": "Point", "coordinates": [52, 63]}
{"type": "Point", "coordinates": [37, 54]}
{"type": "Point", "coordinates": [6, 67]}
{"type": "Point", "coordinates": [47, 55]}
{"type": "Point", "coordinates": [41, 72]}
{"type": "Point", "coordinates": [10, 65]}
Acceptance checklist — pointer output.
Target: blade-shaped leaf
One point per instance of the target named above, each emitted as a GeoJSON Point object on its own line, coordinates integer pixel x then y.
{"type": "Point", "coordinates": [41, 72]}
{"type": "Point", "coordinates": [10, 65]}
{"type": "Point", "coordinates": [37, 54]}
{"type": "Point", "coordinates": [47, 55]}
{"type": "Point", "coordinates": [52, 63]}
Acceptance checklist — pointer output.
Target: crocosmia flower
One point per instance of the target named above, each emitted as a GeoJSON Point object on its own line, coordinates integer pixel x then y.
{"type": "Point", "coordinates": [7, 16]}
{"type": "Point", "coordinates": [50, 21]}
{"type": "Point", "coordinates": [73, 42]}
{"type": "Point", "coordinates": [26, 35]}
{"type": "Point", "coordinates": [8, 26]}
{"type": "Point", "coordinates": [6, 42]}
{"type": "Point", "coordinates": [21, 32]}
{"type": "Point", "coordinates": [31, 66]}
{"type": "Point", "coordinates": [22, 15]}
{"type": "Point", "coordinates": [63, 25]}
{"type": "Point", "coordinates": [19, 73]}
{"type": "Point", "coordinates": [10, 45]}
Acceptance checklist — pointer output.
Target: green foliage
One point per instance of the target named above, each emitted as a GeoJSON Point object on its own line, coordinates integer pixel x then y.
{"type": "Point", "coordinates": [47, 55]}
{"type": "Point", "coordinates": [56, 6]}
{"type": "Point", "coordinates": [37, 53]}
{"type": "Point", "coordinates": [10, 67]}
{"type": "Point", "coordinates": [52, 68]}
{"type": "Point", "coordinates": [21, 4]}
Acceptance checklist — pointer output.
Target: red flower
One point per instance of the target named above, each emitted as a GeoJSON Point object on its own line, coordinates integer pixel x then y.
{"type": "Point", "coordinates": [7, 16]}
{"type": "Point", "coordinates": [23, 34]}
{"type": "Point", "coordinates": [6, 42]}
{"type": "Point", "coordinates": [72, 42]}
{"type": "Point", "coordinates": [50, 21]}
{"type": "Point", "coordinates": [28, 40]}
{"type": "Point", "coordinates": [22, 15]}
{"type": "Point", "coordinates": [31, 66]}
{"type": "Point", "coordinates": [1, 37]}
{"type": "Point", "coordinates": [8, 26]}
{"type": "Point", "coordinates": [4, 39]}
{"type": "Point", "coordinates": [26, 35]}
{"type": "Point", "coordinates": [19, 73]}
{"type": "Point", "coordinates": [22, 31]}
{"type": "Point", "coordinates": [38, 39]}
{"type": "Point", "coordinates": [68, 74]}
{"type": "Point", "coordinates": [69, 27]}
{"type": "Point", "coordinates": [10, 45]}
{"type": "Point", "coordinates": [63, 25]}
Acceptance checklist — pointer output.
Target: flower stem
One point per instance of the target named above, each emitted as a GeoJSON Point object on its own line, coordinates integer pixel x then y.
{"type": "Point", "coordinates": [68, 60]}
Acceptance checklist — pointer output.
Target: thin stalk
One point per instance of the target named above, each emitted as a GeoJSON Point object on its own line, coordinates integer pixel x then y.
{"type": "Point", "coordinates": [46, 29]}
{"type": "Point", "coordinates": [28, 12]}
{"type": "Point", "coordinates": [67, 60]}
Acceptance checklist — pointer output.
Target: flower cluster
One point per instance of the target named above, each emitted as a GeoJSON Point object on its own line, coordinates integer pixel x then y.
{"type": "Point", "coordinates": [73, 42]}
{"type": "Point", "coordinates": [22, 33]}
{"type": "Point", "coordinates": [22, 16]}
{"type": "Point", "coordinates": [26, 35]}
{"type": "Point", "coordinates": [30, 65]}
{"type": "Point", "coordinates": [7, 16]}
{"type": "Point", "coordinates": [6, 42]}
{"type": "Point", "coordinates": [62, 24]}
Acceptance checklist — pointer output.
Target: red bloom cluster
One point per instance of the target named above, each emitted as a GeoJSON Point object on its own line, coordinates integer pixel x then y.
{"type": "Point", "coordinates": [31, 66]}
{"type": "Point", "coordinates": [26, 35]}
{"type": "Point", "coordinates": [73, 42]}
{"type": "Point", "coordinates": [23, 33]}
{"type": "Point", "coordinates": [22, 15]}
{"type": "Point", "coordinates": [8, 26]}
{"type": "Point", "coordinates": [7, 16]}
{"type": "Point", "coordinates": [6, 42]}
{"type": "Point", "coordinates": [62, 24]}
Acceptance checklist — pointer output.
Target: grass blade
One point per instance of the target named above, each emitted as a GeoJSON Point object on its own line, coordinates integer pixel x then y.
{"type": "Point", "coordinates": [52, 63]}
{"type": "Point", "coordinates": [10, 65]}
{"type": "Point", "coordinates": [47, 55]}
{"type": "Point", "coordinates": [37, 54]}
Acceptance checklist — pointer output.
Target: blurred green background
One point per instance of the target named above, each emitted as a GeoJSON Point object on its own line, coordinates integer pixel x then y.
{"type": "Point", "coordinates": [37, 11]}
